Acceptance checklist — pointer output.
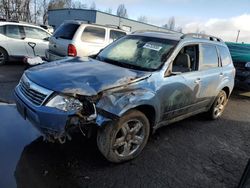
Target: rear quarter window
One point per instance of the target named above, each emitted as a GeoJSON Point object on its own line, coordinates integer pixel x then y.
{"type": "Point", "coordinates": [225, 55]}
{"type": "Point", "coordinates": [93, 34]}
{"type": "Point", "coordinates": [208, 56]}
{"type": "Point", "coordinates": [66, 31]}
{"type": "Point", "coordinates": [114, 35]}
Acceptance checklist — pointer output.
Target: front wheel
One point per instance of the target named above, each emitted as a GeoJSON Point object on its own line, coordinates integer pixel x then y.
{"type": "Point", "coordinates": [219, 105]}
{"type": "Point", "coordinates": [125, 139]}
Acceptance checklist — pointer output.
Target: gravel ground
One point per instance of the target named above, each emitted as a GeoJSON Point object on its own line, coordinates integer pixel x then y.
{"type": "Point", "coordinates": [191, 153]}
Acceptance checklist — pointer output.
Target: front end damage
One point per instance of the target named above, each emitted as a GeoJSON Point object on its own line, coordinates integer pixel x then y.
{"type": "Point", "coordinates": [82, 120]}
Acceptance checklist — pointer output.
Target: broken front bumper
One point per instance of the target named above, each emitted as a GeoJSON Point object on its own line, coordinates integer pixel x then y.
{"type": "Point", "coordinates": [49, 121]}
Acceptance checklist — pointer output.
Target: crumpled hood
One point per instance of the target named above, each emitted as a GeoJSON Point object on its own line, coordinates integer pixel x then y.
{"type": "Point", "coordinates": [83, 76]}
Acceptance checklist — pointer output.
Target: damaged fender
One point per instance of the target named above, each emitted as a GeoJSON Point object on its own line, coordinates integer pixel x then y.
{"type": "Point", "coordinates": [113, 105]}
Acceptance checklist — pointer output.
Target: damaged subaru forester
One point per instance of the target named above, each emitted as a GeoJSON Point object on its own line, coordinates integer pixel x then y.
{"type": "Point", "coordinates": [132, 87]}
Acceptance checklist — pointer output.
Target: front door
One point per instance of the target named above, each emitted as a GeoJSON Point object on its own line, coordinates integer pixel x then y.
{"type": "Point", "coordinates": [181, 91]}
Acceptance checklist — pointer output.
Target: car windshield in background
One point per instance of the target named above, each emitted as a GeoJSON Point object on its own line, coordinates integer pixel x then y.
{"type": "Point", "coordinates": [66, 31]}
{"type": "Point", "coordinates": [138, 52]}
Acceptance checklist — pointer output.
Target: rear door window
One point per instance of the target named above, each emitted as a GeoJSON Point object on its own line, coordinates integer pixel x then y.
{"type": "Point", "coordinates": [114, 35]}
{"type": "Point", "coordinates": [66, 31]}
{"type": "Point", "coordinates": [225, 55]}
{"type": "Point", "coordinates": [13, 31]}
{"type": "Point", "coordinates": [35, 33]}
{"type": "Point", "coordinates": [93, 34]}
{"type": "Point", "coordinates": [208, 57]}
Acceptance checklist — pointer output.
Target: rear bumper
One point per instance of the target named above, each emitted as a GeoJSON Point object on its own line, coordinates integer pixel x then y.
{"type": "Point", "coordinates": [49, 121]}
{"type": "Point", "coordinates": [51, 56]}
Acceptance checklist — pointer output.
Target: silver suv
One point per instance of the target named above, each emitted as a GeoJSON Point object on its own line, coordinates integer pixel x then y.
{"type": "Point", "coordinates": [15, 38]}
{"type": "Point", "coordinates": [76, 38]}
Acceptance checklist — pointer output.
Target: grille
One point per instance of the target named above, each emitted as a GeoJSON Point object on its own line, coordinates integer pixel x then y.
{"type": "Point", "coordinates": [34, 93]}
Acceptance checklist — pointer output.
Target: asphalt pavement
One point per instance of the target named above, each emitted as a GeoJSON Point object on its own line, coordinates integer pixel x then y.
{"type": "Point", "coordinates": [192, 153]}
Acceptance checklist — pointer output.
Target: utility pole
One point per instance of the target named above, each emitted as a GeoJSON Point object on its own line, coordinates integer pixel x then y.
{"type": "Point", "coordinates": [238, 36]}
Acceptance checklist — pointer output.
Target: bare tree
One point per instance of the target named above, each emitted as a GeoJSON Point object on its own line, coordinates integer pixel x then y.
{"type": "Point", "coordinates": [92, 6]}
{"type": "Point", "coordinates": [78, 4]}
{"type": "Point", "coordinates": [171, 23]}
{"type": "Point", "coordinates": [109, 10]}
{"type": "Point", "coordinates": [45, 11]}
{"type": "Point", "coordinates": [122, 11]}
{"type": "Point", "coordinates": [143, 19]}
{"type": "Point", "coordinates": [57, 4]}
{"type": "Point", "coordinates": [15, 9]}
{"type": "Point", "coordinates": [165, 26]}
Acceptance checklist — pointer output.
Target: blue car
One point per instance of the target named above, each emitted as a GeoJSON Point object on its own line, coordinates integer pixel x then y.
{"type": "Point", "coordinates": [134, 86]}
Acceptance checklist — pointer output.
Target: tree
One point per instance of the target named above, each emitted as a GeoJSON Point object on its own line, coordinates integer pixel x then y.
{"type": "Point", "coordinates": [45, 11]}
{"type": "Point", "coordinates": [57, 4]}
{"type": "Point", "coordinates": [143, 19]}
{"type": "Point", "coordinates": [122, 11]}
{"type": "Point", "coordinates": [92, 6]}
{"type": "Point", "coordinates": [109, 10]}
{"type": "Point", "coordinates": [15, 9]}
{"type": "Point", "coordinates": [171, 23]}
{"type": "Point", "coordinates": [78, 4]}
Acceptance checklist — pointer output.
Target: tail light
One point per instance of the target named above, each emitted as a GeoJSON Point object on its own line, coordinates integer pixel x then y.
{"type": "Point", "coordinates": [72, 50]}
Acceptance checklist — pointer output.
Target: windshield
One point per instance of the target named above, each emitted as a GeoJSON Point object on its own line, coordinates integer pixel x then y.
{"type": "Point", "coordinates": [138, 52]}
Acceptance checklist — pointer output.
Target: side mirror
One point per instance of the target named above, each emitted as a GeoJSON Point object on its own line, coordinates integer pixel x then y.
{"type": "Point", "coordinates": [46, 39]}
{"type": "Point", "coordinates": [247, 66]}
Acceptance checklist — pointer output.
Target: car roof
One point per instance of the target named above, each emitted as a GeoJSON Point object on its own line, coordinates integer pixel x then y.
{"type": "Point", "coordinates": [21, 24]}
{"type": "Point", "coordinates": [81, 22]}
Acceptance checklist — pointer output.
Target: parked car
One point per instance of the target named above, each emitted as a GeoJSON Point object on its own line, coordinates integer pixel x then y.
{"type": "Point", "coordinates": [48, 28]}
{"type": "Point", "coordinates": [241, 59]}
{"type": "Point", "coordinates": [15, 38]}
{"type": "Point", "coordinates": [131, 88]}
{"type": "Point", "coordinates": [77, 38]}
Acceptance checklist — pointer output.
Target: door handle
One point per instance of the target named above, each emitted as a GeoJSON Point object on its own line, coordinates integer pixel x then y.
{"type": "Point", "coordinates": [197, 81]}
{"type": "Point", "coordinates": [221, 74]}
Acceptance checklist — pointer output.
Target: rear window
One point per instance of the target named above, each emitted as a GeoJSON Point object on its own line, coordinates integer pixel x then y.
{"type": "Point", "coordinates": [208, 56]}
{"type": "Point", "coordinates": [225, 55]}
{"type": "Point", "coordinates": [13, 31]}
{"type": "Point", "coordinates": [66, 31]}
{"type": "Point", "coordinates": [93, 35]}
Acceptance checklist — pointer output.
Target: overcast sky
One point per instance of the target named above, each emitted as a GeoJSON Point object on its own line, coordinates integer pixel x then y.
{"type": "Point", "coordinates": [222, 18]}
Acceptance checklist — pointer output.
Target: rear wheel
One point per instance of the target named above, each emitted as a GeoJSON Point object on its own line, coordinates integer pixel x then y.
{"type": "Point", "coordinates": [125, 139]}
{"type": "Point", "coordinates": [219, 105]}
{"type": "Point", "coordinates": [3, 56]}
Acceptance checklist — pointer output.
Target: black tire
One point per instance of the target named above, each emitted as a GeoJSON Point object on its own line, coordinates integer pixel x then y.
{"type": "Point", "coordinates": [218, 106]}
{"type": "Point", "coordinates": [114, 144]}
{"type": "Point", "coordinates": [3, 56]}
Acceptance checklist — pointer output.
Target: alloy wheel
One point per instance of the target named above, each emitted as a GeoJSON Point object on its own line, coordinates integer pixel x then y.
{"type": "Point", "coordinates": [129, 138]}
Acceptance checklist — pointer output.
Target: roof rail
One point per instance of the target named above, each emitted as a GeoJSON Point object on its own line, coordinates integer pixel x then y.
{"type": "Point", "coordinates": [202, 36]}
{"type": "Point", "coordinates": [157, 31]}
{"type": "Point", "coordinates": [113, 26]}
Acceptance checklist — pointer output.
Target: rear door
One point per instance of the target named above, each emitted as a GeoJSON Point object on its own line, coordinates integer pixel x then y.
{"type": "Point", "coordinates": [62, 37]}
{"type": "Point", "coordinates": [15, 41]}
{"type": "Point", "coordinates": [39, 37]}
{"type": "Point", "coordinates": [93, 39]}
{"type": "Point", "coordinates": [211, 72]}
